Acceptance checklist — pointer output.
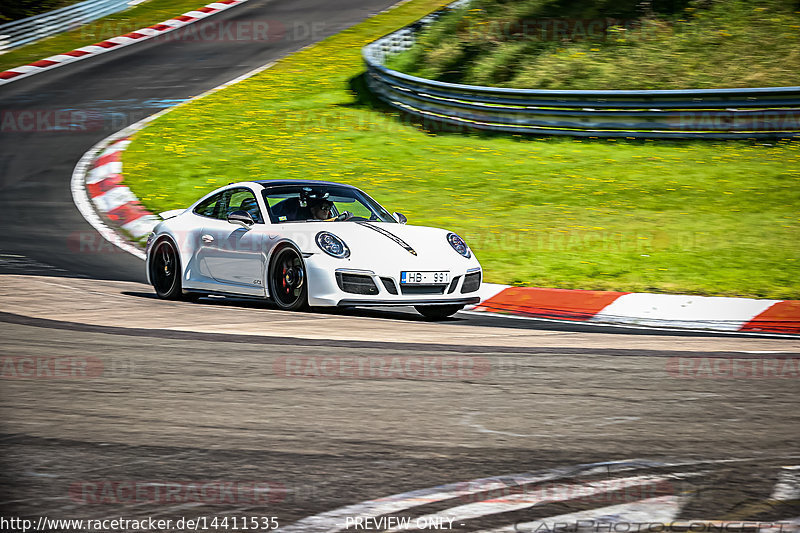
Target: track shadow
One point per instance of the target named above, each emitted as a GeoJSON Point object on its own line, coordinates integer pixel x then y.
{"type": "Point", "coordinates": [365, 99]}
{"type": "Point", "coordinates": [402, 313]}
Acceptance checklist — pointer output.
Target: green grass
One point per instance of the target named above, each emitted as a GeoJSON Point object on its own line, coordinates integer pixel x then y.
{"type": "Point", "coordinates": [685, 45]}
{"type": "Point", "coordinates": [140, 16]}
{"type": "Point", "coordinates": [681, 217]}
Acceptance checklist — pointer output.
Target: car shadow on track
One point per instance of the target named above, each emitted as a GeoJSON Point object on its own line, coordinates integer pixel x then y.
{"type": "Point", "coordinates": [392, 313]}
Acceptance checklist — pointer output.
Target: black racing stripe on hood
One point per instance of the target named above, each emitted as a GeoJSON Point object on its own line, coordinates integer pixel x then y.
{"type": "Point", "coordinates": [390, 235]}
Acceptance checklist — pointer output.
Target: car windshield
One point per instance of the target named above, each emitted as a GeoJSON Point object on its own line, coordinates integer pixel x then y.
{"type": "Point", "coordinates": [315, 203]}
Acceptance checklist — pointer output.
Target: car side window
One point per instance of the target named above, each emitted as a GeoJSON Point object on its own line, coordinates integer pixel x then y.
{"type": "Point", "coordinates": [210, 207]}
{"type": "Point", "coordinates": [244, 200]}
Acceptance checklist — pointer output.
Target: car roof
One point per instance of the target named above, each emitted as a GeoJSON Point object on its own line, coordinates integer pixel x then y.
{"type": "Point", "coordinates": [299, 183]}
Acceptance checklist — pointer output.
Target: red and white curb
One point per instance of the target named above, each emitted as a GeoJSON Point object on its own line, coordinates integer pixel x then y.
{"type": "Point", "coordinates": [116, 42]}
{"type": "Point", "coordinates": [644, 309]}
{"type": "Point", "coordinates": [103, 200]}
{"type": "Point", "coordinates": [115, 200]}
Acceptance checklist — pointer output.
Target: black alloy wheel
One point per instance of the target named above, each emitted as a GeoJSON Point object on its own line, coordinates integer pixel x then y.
{"type": "Point", "coordinates": [287, 280]}
{"type": "Point", "coordinates": [165, 270]}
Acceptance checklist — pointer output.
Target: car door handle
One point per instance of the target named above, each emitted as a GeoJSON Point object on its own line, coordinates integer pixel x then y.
{"type": "Point", "coordinates": [208, 239]}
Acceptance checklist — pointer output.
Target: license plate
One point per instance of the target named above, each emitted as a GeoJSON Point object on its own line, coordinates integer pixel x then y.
{"type": "Point", "coordinates": [424, 278]}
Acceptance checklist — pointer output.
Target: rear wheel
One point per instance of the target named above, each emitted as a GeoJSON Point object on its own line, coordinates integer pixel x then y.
{"type": "Point", "coordinates": [165, 272]}
{"type": "Point", "coordinates": [287, 280]}
{"type": "Point", "coordinates": [438, 312]}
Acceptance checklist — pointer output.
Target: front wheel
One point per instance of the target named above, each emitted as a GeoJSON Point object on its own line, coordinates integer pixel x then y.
{"type": "Point", "coordinates": [287, 280]}
{"type": "Point", "coordinates": [438, 312]}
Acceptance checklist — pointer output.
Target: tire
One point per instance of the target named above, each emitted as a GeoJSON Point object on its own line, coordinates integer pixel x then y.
{"type": "Point", "coordinates": [438, 312]}
{"type": "Point", "coordinates": [165, 271]}
{"type": "Point", "coordinates": [288, 286]}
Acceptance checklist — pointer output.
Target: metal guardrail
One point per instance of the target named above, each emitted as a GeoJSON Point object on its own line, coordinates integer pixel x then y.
{"type": "Point", "coordinates": [24, 31]}
{"type": "Point", "coordinates": [772, 112]}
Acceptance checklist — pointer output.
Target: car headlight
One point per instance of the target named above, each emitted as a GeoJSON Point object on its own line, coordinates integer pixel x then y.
{"type": "Point", "coordinates": [459, 245]}
{"type": "Point", "coordinates": [332, 245]}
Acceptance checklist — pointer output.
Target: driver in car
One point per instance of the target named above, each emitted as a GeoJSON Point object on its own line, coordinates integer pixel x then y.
{"type": "Point", "coordinates": [321, 209]}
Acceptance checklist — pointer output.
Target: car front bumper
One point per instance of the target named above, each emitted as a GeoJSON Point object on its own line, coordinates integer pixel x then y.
{"type": "Point", "coordinates": [325, 291]}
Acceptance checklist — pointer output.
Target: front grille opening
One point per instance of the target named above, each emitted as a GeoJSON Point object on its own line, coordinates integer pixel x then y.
{"type": "Point", "coordinates": [453, 285]}
{"type": "Point", "coordinates": [356, 283]}
{"type": "Point", "coordinates": [472, 282]}
{"type": "Point", "coordinates": [389, 285]}
{"type": "Point", "coordinates": [423, 289]}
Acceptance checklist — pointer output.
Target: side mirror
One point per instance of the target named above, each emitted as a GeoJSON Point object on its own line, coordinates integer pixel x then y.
{"type": "Point", "coordinates": [242, 218]}
{"type": "Point", "coordinates": [400, 217]}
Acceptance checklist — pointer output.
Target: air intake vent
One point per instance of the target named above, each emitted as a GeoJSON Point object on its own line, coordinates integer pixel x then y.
{"type": "Point", "coordinates": [423, 289]}
{"type": "Point", "coordinates": [356, 283]}
{"type": "Point", "coordinates": [472, 282]}
{"type": "Point", "coordinates": [453, 285]}
{"type": "Point", "coordinates": [388, 283]}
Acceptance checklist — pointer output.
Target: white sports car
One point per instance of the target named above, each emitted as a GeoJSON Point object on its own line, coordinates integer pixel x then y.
{"type": "Point", "coordinates": [309, 243]}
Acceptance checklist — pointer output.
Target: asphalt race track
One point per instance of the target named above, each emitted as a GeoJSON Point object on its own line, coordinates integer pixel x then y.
{"type": "Point", "coordinates": [116, 405]}
{"type": "Point", "coordinates": [173, 410]}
